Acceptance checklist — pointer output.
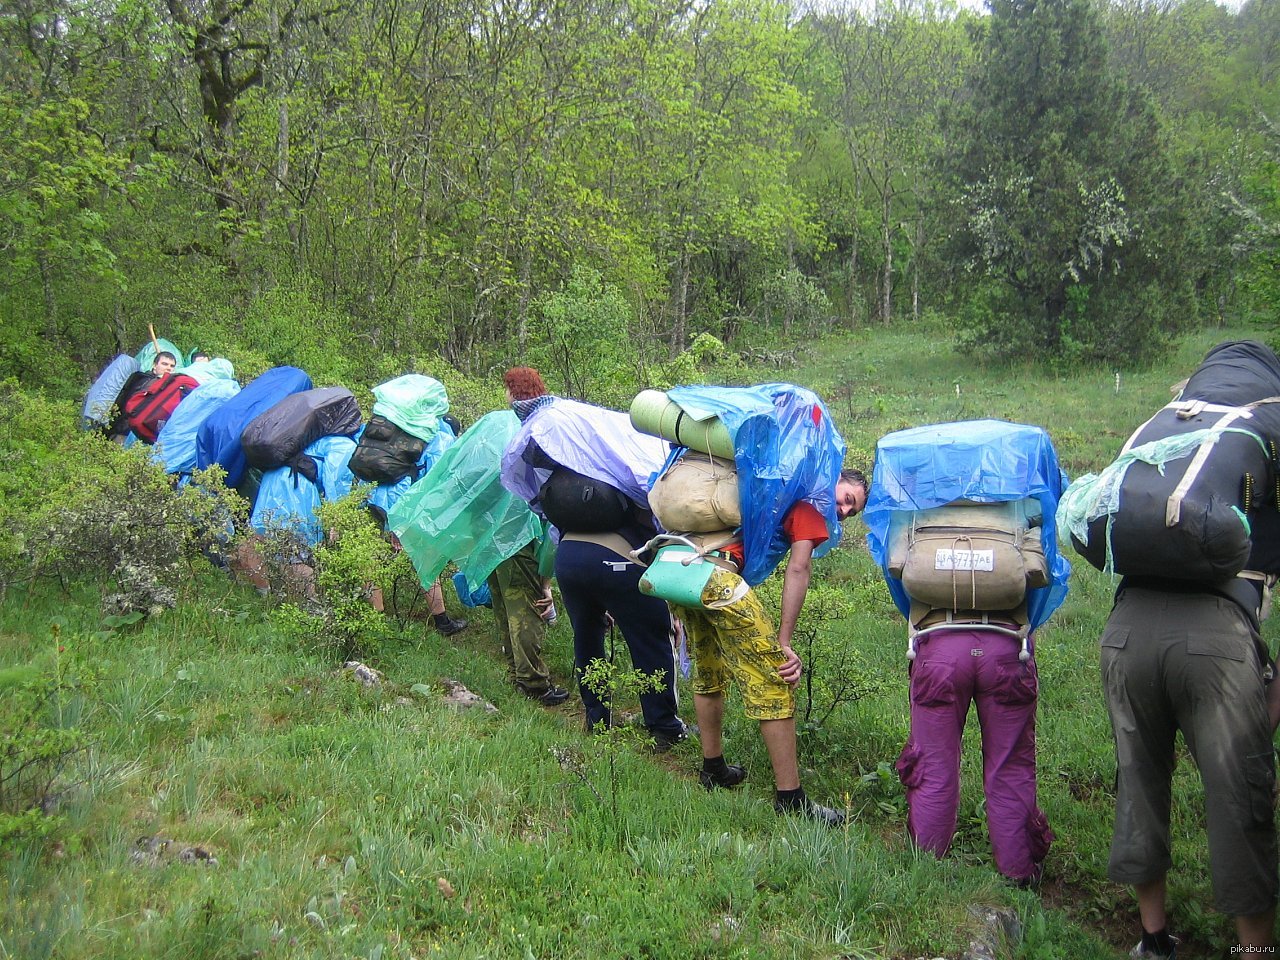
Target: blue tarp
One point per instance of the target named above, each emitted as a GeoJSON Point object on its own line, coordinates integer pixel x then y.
{"type": "Point", "coordinates": [98, 407]}
{"type": "Point", "coordinates": [175, 446]}
{"type": "Point", "coordinates": [218, 439]}
{"type": "Point", "coordinates": [986, 461]}
{"type": "Point", "coordinates": [289, 500]}
{"type": "Point", "coordinates": [786, 448]}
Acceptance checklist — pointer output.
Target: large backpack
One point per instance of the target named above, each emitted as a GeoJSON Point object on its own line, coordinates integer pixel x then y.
{"type": "Point", "coordinates": [102, 402]}
{"type": "Point", "coordinates": [146, 411]}
{"type": "Point", "coordinates": [969, 556]}
{"type": "Point", "coordinates": [277, 436]}
{"type": "Point", "coordinates": [385, 453]}
{"type": "Point", "coordinates": [578, 504]}
{"type": "Point", "coordinates": [218, 438]}
{"type": "Point", "coordinates": [698, 493]}
{"type": "Point", "coordinates": [1176, 502]}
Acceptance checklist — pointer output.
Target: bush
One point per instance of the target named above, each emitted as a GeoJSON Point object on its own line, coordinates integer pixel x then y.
{"type": "Point", "coordinates": [36, 743]}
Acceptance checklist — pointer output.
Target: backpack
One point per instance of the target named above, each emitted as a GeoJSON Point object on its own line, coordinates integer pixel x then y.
{"type": "Point", "coordinates": [102, 402]}
{"type": "Point", "coordinates": [218, 437]}
{"type": "Point", "coordinates": [578, 504]}
{"type": "Point", "coordinates": [147, 410]}
{"type": "Point", "coordinates": [385, 453]}
{"type": "Point", "coordinates": [697, 494]}
{"type": "Point", "coordinates": [968, 556]}
{"type": "Point", "coordinates": [277, 436]}
{"type": "Point", "coordinates": [1175, 503]}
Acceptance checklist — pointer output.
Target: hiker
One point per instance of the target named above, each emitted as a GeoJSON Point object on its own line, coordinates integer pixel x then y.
{"type": "Point", "coordinates": [791, 510]}
{"type": "Point", "coordinates": [165, 364]}
{"type": "Point", "coordinates": [586, 469]}
{"type": "Point", "coordinates": [955, 520]}
{"type": "Point", "coordinates": [1181, 650]}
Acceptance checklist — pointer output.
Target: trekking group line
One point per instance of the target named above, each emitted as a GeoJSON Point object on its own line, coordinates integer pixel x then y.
{"type": "Point", "coordinates": [662, 520]}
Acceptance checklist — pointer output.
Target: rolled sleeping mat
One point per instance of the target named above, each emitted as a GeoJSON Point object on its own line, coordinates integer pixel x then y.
{"type": "Point", "coordinates": [654, 413]}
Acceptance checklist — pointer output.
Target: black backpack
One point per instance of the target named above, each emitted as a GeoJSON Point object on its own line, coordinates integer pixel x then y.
{"type": "Point", "coordinates": [385, 453]}
{"type": "Point", "coordinates": [578, 504]}
{"type": "Point", "coordinates": [278, 436]}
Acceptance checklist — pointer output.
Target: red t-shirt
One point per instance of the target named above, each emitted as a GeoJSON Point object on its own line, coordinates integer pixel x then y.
{"type": "Point", "coordinates": [802, 522]}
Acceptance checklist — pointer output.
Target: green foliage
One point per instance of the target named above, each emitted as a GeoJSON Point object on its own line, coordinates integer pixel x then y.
{"type": "Point", "coordinates": [352, 561]}
{"type": "Point", "coordinates": [581, 337]}
{"type": "Point", "coordinates": [1063, 185]}
{"type": "Point", "coordinates": [38, 740]}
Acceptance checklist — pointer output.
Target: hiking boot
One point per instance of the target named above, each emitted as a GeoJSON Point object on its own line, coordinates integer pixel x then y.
{"type": "Point", "coordinates": [451, 626]}
{"type": "Point", "coordinates": [664, 740]}
{"type": "Point", "coordinates": [1151, 953]}
{"type": "Point", "coordinates": [827, 816]}
{"type": "Point", "coordinates": [730, 777]}
{"type": "Point", "coordinates": [553, 696]}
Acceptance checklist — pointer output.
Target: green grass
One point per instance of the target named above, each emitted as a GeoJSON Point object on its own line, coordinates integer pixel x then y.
{"type": "Point", "coordinates": [375, 822]}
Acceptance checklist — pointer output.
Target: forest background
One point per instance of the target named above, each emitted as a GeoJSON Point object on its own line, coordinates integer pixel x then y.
{"type": "Point", "coordinates": [365, 188]}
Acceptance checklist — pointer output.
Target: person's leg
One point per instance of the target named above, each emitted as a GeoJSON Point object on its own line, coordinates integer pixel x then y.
{"type": "Point", "coordinates": [520, 585]}
{"type": "Point", "coordinates": [941, 688]}
{"type": "Point", "coordinates": [1257, 930]}
{"type": "Point", "coordinates": [710, 680]}
{"type": "Point", "coordinates": [1221, 706]}
{"type": "Point", "coordinates": [645, 623]}
{"type": "Point", "coordinates": [1144, 727]}
{"type": "Point", "coordinates": [587, 617]}
{"type": "Point", "coordinates": [1005, 694]}
{"type": "Point", "coordinates": [709, 709]}
{"type": "Point", "coordinates": [780, 741]}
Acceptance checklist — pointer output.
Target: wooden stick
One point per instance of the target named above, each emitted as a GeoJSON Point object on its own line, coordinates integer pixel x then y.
{"type": "Point", "coordinates": [154, 342]}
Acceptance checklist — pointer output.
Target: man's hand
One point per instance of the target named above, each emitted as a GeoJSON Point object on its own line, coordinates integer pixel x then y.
{"type": "Point", "coordinates": [791, 668]}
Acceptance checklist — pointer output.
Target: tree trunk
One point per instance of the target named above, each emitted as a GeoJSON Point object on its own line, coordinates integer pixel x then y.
{"type": "Point", "coordinates": [886, 283]}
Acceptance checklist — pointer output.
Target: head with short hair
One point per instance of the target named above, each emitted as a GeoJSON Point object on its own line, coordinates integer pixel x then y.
{"type": "Point", "coordinates": [523, 383]}
{"type": "Point", "coordinates": [851, 492]}
{"type": "Point", "coordinates": [165, 363]}
{"type": "Point", "coordinates": [199, 355]}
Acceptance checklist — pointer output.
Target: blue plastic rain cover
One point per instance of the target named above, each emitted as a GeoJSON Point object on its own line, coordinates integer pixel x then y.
{"type": "Point", "coordinates": [97, 410]}
{"type": "Point", "coordinates": [218, 438]}
{"type": "Point", "coordinates": [384, 495]}
{"type": "Point", "coordinates": [590, 440]}
{"type": "Point", "coordinates": [461, 512]}
{"type": "Point", "coordinates": [986, 461]}
{"type": "Point", "coordinates": [286, 499]}
{"type": "Point", "coordinates": [787, 449]}
{"type": "Point", "coordinates": [175, 446]}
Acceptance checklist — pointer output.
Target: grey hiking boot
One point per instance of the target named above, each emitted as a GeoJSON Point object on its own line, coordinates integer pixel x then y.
{"type": "Point", "coordinates": [827, 816]}
{"type": "Point", "coordinates": [1141, 952]}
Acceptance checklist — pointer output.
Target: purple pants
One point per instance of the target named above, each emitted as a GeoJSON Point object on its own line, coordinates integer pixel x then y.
{"type": "Point", "coordinates": [951, 668]}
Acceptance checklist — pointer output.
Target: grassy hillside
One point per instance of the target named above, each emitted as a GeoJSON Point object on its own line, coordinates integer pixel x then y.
{"type": "Point", "coordinates": [377, 822]}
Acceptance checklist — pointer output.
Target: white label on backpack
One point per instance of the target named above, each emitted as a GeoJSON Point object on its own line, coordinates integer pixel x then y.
{"type": "Point", "coordinates": [980, 560]}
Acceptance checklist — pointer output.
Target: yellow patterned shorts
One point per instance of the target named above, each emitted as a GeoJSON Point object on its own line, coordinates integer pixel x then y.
{"type": "Point", "coordinates": [735, 639]}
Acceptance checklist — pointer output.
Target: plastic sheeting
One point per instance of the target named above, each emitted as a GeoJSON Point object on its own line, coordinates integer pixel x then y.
{"type": "Point", "coordinates": [218, 368]}
{"type": "Point", "coordinates": [99, 402]}
{"type": "Point", "coordinates": [986, 461]}
{"type": "Point", "coordinates": [414, 403]}
{"type": "Point", "coordinates": [286, 499]}
{"type": "Point", "coordinates": [786, 448]}
{"type": "Point", "coordinates": [146, 357]}
{"type": "Point", "coordinates": [218, 439]}
{"type": "Point", "coordinates": [460, 510]}
{"type": "Point", "coordinates": [175, 446]}
{"type": "Point", "coordinates": [590, 440]}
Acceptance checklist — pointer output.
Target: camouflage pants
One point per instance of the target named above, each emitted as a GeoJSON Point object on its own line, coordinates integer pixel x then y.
{"type": "Point", "coordinates": [515, 585]}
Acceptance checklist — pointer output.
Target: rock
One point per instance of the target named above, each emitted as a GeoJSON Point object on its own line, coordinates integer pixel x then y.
{"type": "Point", "coordinates": [366, 675]}
{"type": "Point", "coordinates": [999, 928]}
{"type": "Point", "coordinates": [460, 698]}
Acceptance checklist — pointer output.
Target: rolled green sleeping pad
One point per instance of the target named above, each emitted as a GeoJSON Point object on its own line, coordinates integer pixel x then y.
{"type": "Point", "coordinates": [654, 413]}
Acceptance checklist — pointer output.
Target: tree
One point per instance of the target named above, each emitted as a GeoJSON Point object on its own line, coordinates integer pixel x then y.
{"type": "Point", "coordinates": [1068, 211]}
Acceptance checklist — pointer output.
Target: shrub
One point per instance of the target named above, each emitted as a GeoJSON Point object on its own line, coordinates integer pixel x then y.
{"type": "Point", "coordinates": [37, 744]}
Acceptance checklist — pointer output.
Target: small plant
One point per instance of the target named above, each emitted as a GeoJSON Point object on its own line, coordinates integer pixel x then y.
{"type": "Point", "coordinates": [611, 682]}
{"type": "Point", "coordinates": [36, 743]}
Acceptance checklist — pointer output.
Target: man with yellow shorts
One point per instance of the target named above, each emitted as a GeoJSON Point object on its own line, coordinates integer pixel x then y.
{"type": "Point", "coordinates": [733, 639]}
